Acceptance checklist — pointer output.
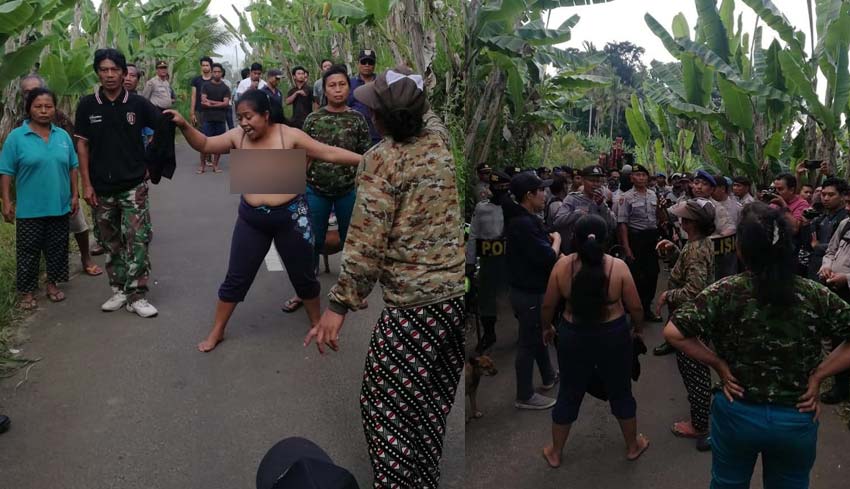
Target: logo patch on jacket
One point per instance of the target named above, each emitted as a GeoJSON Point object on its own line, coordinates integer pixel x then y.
{"type": "Point", "coordinates": [131, 118]}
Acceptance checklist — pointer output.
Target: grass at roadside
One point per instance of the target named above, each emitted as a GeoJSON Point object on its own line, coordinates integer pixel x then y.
{"type": "Point", "coordinates": [8, 299]}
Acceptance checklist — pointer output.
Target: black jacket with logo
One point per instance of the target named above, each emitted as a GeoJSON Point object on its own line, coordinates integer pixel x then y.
{"type": "Point", "coordinates": [113, 129]}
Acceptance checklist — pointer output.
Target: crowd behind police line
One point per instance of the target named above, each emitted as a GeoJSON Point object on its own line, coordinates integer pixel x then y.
{"type": "Point", "coordinates": [709, 229]}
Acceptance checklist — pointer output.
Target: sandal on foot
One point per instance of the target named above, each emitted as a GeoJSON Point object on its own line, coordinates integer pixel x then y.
{"type": "Point", "coordinates": [57, 296]}
{"type": "Point", "coordinates": [217, 170]}
{"type": "Point", "coordinates": [93, 270]}
{"type": "Point", "coordinates": [200, 171]}
{"type": "Point", "coordinates": [684, 429]}
{"type": "Point", "coordinates": [640, 436]}
{"type": "Point", "coordinates": [292, 305]}
{"type": "Point", "coordinates": [28, 305]}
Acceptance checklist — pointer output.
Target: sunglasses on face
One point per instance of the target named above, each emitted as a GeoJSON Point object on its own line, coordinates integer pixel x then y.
{"type": "Point", "coordinates": [370, 62]}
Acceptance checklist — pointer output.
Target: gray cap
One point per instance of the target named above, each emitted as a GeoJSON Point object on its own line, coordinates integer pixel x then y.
{"type": "Point", "coordinates": [701, 210]}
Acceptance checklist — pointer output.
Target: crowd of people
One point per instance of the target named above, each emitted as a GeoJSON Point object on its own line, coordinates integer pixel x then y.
{"type": "Point", "coordinates": [378, 158]}
{"type": "Point", "coordinates": [757, 291]}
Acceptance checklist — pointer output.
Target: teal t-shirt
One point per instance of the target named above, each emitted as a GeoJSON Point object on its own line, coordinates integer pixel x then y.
{"type": "Point", "coordinates": [42, 171]}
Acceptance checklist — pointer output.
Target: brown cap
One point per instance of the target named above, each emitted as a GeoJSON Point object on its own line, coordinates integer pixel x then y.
{"type": "Point", "coordinates": [701, 210]}
{"type": "Point", "coordinates": [398, 88]}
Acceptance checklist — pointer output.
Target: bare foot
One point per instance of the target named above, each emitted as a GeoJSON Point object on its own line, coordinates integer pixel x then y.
{"type": "Point", "coordinates": [478, 415]}
{"type": "Point", "coordinates": [210, 343]}
{"type": "Point", "coordinates": [642, 445]}
{"type": "Point", "coordinates": [553, 459]}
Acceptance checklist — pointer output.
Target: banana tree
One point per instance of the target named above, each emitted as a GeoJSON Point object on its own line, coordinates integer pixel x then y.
{"type": "Point", "coordinates": [738, 107]}
{"type": "Point", "coordinates": [508, 49]}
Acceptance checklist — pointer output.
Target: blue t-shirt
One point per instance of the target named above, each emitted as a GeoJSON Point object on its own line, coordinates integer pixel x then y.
{"type": "Point", "coordinates": [42, 171]}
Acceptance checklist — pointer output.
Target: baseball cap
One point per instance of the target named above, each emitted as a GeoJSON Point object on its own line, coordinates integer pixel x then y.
{"type": "Point", "coordinates": [274, 73]}
{"type": "Point", "coordinates": [700, 210]}
{"type": "Point", "coordinates": [626, 169]}
{"type": "Point", "coordinates": [524, 182]}
{"type": "Point", "coordinates": [298, 463]}
{"type": "Point", "coordinates": [396, 88]}
{"type": "Point", "coordinates": [637, 167]}
{"type": "Point", "coordinates": [659, 174]}
{"type": "Point", "coordinates": [704, 175]}
{"type": "Point", "coordinates": [592, 171]}
{"type": "Point", "coordinates": [366, 54]}
{"type": "Point", "coordinates": [500, 180]}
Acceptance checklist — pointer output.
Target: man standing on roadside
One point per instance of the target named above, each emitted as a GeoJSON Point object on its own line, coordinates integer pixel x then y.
{"type": "Point", "coordinates": [319, 99]}
{"type": "Point", "coordinates": [275, 95]}
{"type": "Point", "coordinates": [300, 97]}
{"type": "Point", "coordinates": [109, 146]}
{"type": "Point", "coordinates": [253, 82]}
{"type": "Point", "coordinates": [215, 100]}
{"type": "Point", "coordinates": [195, 109]}
{"type": "Point", "coordinates": [158, 88]}
{"type": "Point", "coordinates": [366, 69]}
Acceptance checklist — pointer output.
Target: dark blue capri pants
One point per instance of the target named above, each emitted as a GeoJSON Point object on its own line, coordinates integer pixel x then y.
{"type": "Point", "coordinates": [606, 347]}
{"type": "Point", "coordinates": [288, 226]}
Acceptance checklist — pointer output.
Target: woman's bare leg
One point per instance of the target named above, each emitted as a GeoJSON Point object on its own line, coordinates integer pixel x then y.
{"type": "Point", "coordinates": [223, 311]}
{"type": "Point", "coordinates": [635, 444]}
{"type": "Point", "coordinates": [553, 452]}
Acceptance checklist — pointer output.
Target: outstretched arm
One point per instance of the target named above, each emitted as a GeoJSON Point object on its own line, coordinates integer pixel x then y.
{"type": "Point", "coordinates": [199, 142]}
{"type": "Point", "coordinates": [321, 151]}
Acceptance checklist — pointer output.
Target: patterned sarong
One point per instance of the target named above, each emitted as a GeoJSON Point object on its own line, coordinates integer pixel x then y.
{"type": "Point", "coordinates": [411, 375]}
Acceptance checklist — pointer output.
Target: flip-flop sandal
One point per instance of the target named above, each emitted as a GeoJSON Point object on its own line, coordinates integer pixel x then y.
{"type": "Point", "coordinates": [199, 172]}
{"type": "Point", "coordinates": [645, 447]}
{"type": "Point", "coordinates": [93, 270]}
{"type": "Point", "coordinates": [291, 305]}
{"type": "Point", "coordinates": [218, 170]}
{"type": "Point", "coordinates": [58, 296]}
{"type": "Point", "coordinates": [28, 305]}
{"type": "Point", "coordinates": [679, 431]}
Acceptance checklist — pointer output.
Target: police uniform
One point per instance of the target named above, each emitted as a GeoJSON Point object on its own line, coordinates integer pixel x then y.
{"type": "Point", "coordinates": [575, 206]}
{"type": "Point", "coordinates": [637, 211]}
{"type": "Point", "coordinates": [487, 244]}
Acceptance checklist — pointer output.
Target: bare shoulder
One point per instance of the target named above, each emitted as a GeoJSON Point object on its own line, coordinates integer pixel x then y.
{"type": "Point", "coordinates": [293, 137]}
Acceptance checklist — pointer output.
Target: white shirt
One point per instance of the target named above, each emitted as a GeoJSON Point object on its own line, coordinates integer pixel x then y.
{"type": "Point", "coordinates": [733, 210]}
{"type": "Point", "coordinates": [245, 85]}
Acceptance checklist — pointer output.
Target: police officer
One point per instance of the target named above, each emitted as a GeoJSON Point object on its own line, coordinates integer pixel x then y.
{"type": "Point", "coordinates": [487, 244]}
{"type": "Point", "coordinates": [590, 200]}
{"type": "Point", "coordinates": [482, 187]}
{"type": "Point", "coordinates": [637, 222]}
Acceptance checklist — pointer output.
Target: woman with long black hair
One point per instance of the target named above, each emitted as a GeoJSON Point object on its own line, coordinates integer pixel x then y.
{"type": "Point", "coordinates": [766, 325]}
{"type": "Point", "coordinates": [594, 334]}
{"type": "Point", "coordinates": [264, 219]}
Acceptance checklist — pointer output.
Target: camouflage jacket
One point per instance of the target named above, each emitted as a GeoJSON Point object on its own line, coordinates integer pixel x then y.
{"type": "Point", "coordinates": [343, 129]}
{"type": "Point", "coordinates": [770, 350]}
{"type": "Point", "coordinates": [407, 228]}
{"type": "Point", "coordinates": [693, 272]}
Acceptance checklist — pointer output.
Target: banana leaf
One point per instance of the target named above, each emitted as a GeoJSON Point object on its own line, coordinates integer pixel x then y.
{"type": "Point", "coordinates": [736, 103]}
{"type": "Point", "coordinates": [712, 28]}
{"type": "Point", "coordinates": [22, 60]}
{"type": "Point", "coordinates": [774, 18]}
{"type": "Point", "coordinates": [681, 30]}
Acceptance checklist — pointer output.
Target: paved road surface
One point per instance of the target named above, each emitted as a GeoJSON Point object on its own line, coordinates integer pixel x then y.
{"type": "Point", "coordinates": [120, 401]}
{"type": "Point", "coordinates": [503, 449]}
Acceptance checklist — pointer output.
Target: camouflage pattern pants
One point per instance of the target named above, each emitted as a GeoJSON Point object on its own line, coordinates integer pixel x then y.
{"type": "Point", "coordinates": [123, 229]}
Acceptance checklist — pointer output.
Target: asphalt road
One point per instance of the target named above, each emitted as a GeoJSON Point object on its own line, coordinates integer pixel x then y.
{"type": "Point", "coordinates": [504, 448]}
{"type": "Point", "coordinates": [123, 402]}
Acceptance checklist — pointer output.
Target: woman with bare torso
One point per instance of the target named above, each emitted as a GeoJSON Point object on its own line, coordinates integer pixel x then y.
{"type": "Point", "coordinates": [594, 334]}
{"type": "Point", "coordinates": [265, 218]}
